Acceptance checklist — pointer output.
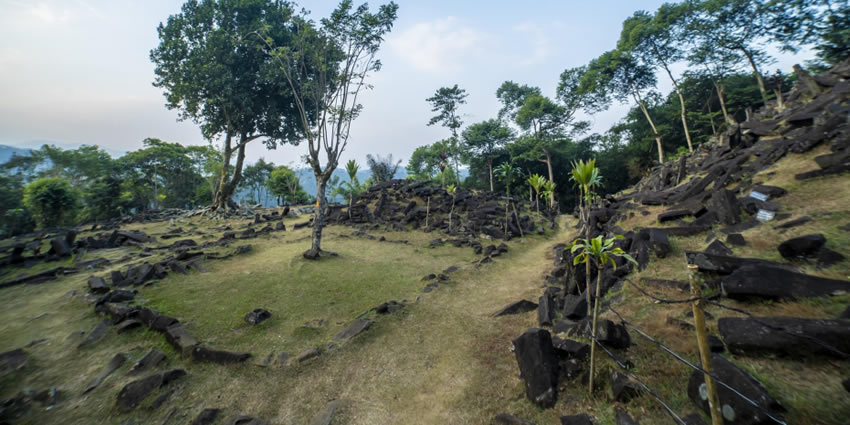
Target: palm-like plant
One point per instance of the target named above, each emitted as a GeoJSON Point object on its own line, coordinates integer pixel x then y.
{"type": "Point", "coordinates": [586, 176]}
{"type": "Point", "coordinates": [548, 192]}
{"type": "Point", "coordinates": [536, 181]}
{"type": "Point", "coordinates": [507, 173]}
{"type": "Point", "coordinates": [602, 252]}
{"type": "Point", "coordinates": [353, 184]}
{"type": "Point", "coordinates": [452, 190]}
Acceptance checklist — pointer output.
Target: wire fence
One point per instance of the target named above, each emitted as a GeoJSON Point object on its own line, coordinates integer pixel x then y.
{"type": "Point", "coordinates": [710, 300]}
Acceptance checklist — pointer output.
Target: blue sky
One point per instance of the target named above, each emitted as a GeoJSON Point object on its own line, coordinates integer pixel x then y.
{"type": "Point", "coordinates": [77, 71]}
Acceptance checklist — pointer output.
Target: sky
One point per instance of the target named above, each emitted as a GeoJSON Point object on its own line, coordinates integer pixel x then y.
{"type": "Point", "coordinates": [78, 71]}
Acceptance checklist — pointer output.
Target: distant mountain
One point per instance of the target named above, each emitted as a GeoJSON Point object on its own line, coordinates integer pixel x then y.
{"type": "Point", "coordinates": [6, 152]}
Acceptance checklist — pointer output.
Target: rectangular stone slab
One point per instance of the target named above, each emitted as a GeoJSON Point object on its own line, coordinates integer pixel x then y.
{"type": "Point", "coordinates": [744, 335]}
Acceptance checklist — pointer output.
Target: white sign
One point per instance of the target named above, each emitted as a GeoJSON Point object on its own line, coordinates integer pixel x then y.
{"type": "Point", "coordinates": [758, 195]}
{"type": "Point", "coordinates": [764, 215]}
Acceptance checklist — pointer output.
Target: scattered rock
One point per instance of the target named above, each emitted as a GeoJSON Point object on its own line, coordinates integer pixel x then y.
{"type": "Point", "coordinates": [180, 339]}
{"type": "Point", "coordinates": [828, 257]}
{"type": "Point", "coordinates": [97, 285]}
{"type": "Point", "coordinates": [355, 328]}
{"type": "Point", "coordinates": [793, 223]}
{"type": "Point", "coordinates": [775, 283]}
{"type": "Point", "coordinates": [735, 410]}
{"type": "Point", "coordinates": [694, 419]}
{"type": "Point", "coordinates": [582, 419]}
{"type": "Point", "coordinates": [623, 388]}
{"type": "Point", "coordinates": [326, 416]}
{"type": "Point", "coordinates": [546, 310]}
{"type": "Point", "coordinates": [726, 205]}
{"type": "Point", "coordinates": [133, 393]}
{"type": "Point", "coordinates": [538, 365]}
{"type": "Point", "coordinates": [506, 419]}
{"type": "Point", "coordinates": [126, 325]}
{"type": "Point", "coordinates": [575, 307]}
{"type": "Point", "coordinates": [803, 246]}
{"type": "Point", "coordinates": [307, 355]}
{"type": "Point", "coordinates": [622, 418]}
{"type": "Point", "coordinates": [149, 361]}
{"type": "Point", "coordinates": [785, 335]}
{"type": "Point", "coordinates": [246, 420]}
{"type": "Point", "coordinates": [517, 307]}
{"type": "Point", "coordinates": [389, 307]}
{"type": "Point", "coordinates": [204, 354]}
{"type": "Point", "coordinates": [718, 248]}
{"type": "Point", "coordinates": [206, 417]}
{"type": "Point", "coordinates": [736, 239]}
{"type": "Point", "coordinates": [569, 349]}
{"type": "Point", "coordinates": [11, 361]}
{"type": "Point", "coordinates": [257, 315]}
{"type": "Point", "coordinates": [96, 334]}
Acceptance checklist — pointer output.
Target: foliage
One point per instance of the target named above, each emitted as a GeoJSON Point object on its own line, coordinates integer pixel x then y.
{"type": "Point", "coordinates": [382, 169]}
{"type": "Point", "coordinates": [284, 184]}
{"type": "Point", "coordinates": [52, 201]}
{"type": "Point", "coordinates": [483, 140]}
{"type": "Point", "coordinates": [254, 178]}
{"type": "Point", "coordinates": [16, 221]}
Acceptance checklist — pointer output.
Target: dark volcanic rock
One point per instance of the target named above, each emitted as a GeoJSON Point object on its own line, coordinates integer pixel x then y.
{"type": "Point", "coordinates": [569, 349]}
{"type": "Point", "coordinates": [506, 419]}
{"type": "Point", "coordinates": [12, 360]}
{"type": "Point", "coordinates": [149, 361]}
{"type": "Point", "coordinates": [793, 223]}
{"type": "Point", "coordinates": [775, 283]}
{"type": "Point", "coordinates": [96, 334]}
{"type": "Point", "coordinates": [546, 310]}
{"type": "Point", "coordinates": [740, 412]}
{"type": "Point", "coordinates": [608, 333]}
{"type": "Point", "coordinates": [575, 307]}
{"type": "Point", "coordinates": [517, 307]}
{"type": "Point", "coordinates": [736, 239]}
{"type": "Point", "coordinates": [244, 420]}
{"type": "Point", "coordinates": [133, 393]}
{"type": "Point", "coordinates": [659, 243]}
{"type": "Point", "coordinates": [206, 417]}
{"type": "Point", "coordinates": [694, 419]}
{"type": "Point", "coordinates": [723, 264]}
{"type": "Point", "coordinates": [204, 354]}
{"type": "Point", "coordinates": [672, 215]}
{"type": "Point", "coordinates": [623, 387]}
{"type": "Point", "coordinates": [726, 205]}
{"type": "Point", "coordinates": [582, 419]}
{"type": "Point", "coordinates": [538, 366]}
{"type": "Point", "coordinates": [621, 417]}
{"type": "Point", "coordinates": [827, 257]}
{"type": "Point", "coordinates": [97, 285]}
{"type": "Point", "coordinates": [180, 339]}
{"type": "Point", "coordinates": [718, 248]}
{"type": "Point", "coordinates": [771, 191]}
{"type": "Point", "coordinates": [803, 246]}
{"type": "Point", "coordinates": [112, 366]}
{"type": "Point", "coordinates": [785, 335]}
{"type": "Point", "coordinates": [257, 315]}
{"type": "Point", "coordinates": [355, 328]}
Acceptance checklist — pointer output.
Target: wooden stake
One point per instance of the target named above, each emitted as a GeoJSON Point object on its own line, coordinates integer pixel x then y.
{"type": "Point", "coordinates": [704, 351]}
{"type": "Point", "coordinates": [593, 330]}
{"type": "Point", "coordinates": [427, 211]}
{"type": "Point", "coordinates": [518, 225]}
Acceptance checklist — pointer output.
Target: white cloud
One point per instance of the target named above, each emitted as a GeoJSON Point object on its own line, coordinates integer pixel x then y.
{"type": "Point", "coordinates": [440, 46]}
{"type": "Point", "coordinates": [541, 45]}
{"type": "Point", "coordinates": [48, 14]}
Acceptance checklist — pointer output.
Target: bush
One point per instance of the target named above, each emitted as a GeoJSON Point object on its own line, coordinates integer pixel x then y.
{"type": "Point", "coordinates": [52, 202]}
{"type": "Point", "coordinates": [16, 221]}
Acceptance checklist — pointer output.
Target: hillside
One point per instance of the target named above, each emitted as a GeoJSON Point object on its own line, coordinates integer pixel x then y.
{"type": "Point", "coordinates": [416, 320]}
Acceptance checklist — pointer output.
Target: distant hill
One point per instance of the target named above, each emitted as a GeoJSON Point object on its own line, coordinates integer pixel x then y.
{"type": "Point", "coordinates": [6, 152]}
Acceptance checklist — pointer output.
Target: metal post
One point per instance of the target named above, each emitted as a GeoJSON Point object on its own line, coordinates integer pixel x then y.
{"type": "Point", "coordinates": [704, 351]}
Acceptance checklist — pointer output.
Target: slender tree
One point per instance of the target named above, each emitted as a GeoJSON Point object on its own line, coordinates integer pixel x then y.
{"type": "Point", "coordinates": [452, 191]}
{"type": "Point", "coordinates": [342, 50]}
{"type": "Point", "coordinates": [536, 182]}
{"type": "Point", "coordinates": [507, 173]}
{"type": "Point", "coordinates": [485, 139]}
{"type": "Point", "coordinates": [655, 41]}
{"type": "Point", "coordinates": [586, 176]}
{"type": "Point", "coordinates": [446, 102]}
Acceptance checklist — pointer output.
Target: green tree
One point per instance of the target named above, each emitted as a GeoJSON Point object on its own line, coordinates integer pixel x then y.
{"type": "Point", "coordinates": [255, 176]}
{"type": "Point", "coordinates": [822, 24]}
{"type": "Point", "coordinates": [513, 96]}
{"type": "Point", "coordinates": [655, 40]}
{"type": "Point", "coordinates": [103, 199]}
{"type": "Point", "coordinates": [601, 252]}
{"type": "Point", "coordinates": [352, 187]}
{"type": "Point", "coordinates": [216, 74]}
{"type": "Point", "coordinates": [284, 184]}
{"type": "Point", "coordinates": [452, 191]}
{"type": "Point", "coordinates": [446, 103]}
{"type": "Point", "coordinates": [616, 75]}
{"type": "Point", "coordinates": [484, 139]}
{"type": "Point", "coordinates": [52, 201]}
{"type": "Point", "coordinates": [536, 182]}
{"type": "Point", "coordinates": [424, 163]}
{"type": "Point", "coordinates": [343, 52]}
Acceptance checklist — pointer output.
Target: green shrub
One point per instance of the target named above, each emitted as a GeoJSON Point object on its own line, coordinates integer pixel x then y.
{"type": "Point", "coordinates": [16, 221]}
{"type": "Point", "coordinates": [52, 202]}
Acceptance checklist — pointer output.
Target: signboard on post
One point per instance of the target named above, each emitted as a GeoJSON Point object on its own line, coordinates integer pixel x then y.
{"type": "Point", "coordinates": [765, 215]}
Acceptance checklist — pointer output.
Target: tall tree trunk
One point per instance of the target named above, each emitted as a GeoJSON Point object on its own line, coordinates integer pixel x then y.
{"type": "Point", "coordinates": [757, 73]}
{"type": "Point", "coordinates": [682, 104]}
{"type": "Point", "coordinates": [226, 154]}
{"type": "Point", "coordinates": [721, 97]}
{"type": "Point", "coordinates": [651, 124]}
{"type": "Point", "coordinates": [551, 174]}
{"type": "Point", "coordinates": [490, 167]}
{"type": "Point", "coordinates": [318, 219]}
{"type": "Point", "coordinates": [595, 316]}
